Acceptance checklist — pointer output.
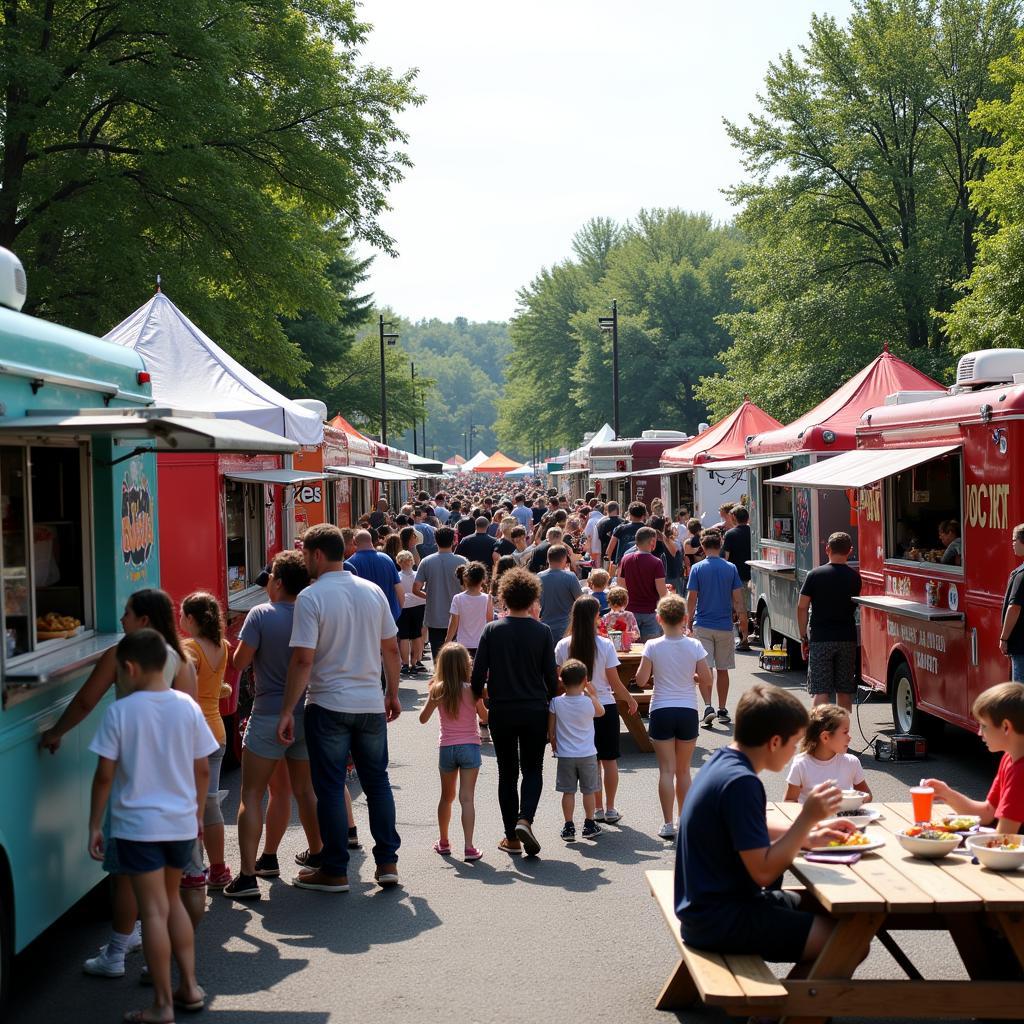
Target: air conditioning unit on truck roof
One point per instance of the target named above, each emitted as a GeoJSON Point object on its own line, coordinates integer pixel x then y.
{"type": "Point", "coordinates": [13, 285]}
{"type": "Point", "coordinates": [989, 366]}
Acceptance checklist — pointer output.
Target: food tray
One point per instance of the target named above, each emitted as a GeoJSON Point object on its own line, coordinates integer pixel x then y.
{"type": "Point", "coordinates": [59, 634]}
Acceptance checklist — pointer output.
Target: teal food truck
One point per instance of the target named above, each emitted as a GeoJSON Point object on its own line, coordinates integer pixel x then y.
{"type": "Point", "coordinates": [78, 437]}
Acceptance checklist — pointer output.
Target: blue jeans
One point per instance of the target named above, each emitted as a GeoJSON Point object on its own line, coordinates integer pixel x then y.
{"type": "Point", "coordinates": [647, 623]}
{"type": "Point", "coordinates": [1017, 668]}
{"type": "Point", "coordinates": [330, 735]}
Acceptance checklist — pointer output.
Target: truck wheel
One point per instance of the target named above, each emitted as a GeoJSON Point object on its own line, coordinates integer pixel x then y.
{"type": "Point", "coordinates": [906, 715]}
{"type": "Point", "coordinates": [765, 629]}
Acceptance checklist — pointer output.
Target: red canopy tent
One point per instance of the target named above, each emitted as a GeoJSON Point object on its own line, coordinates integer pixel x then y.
{"type": "Point", "coordinates": [840, 413]}
{"type": "Point", "coordinates": [497, 463]}
{"type": "Point", "coordinates": [725, 440]}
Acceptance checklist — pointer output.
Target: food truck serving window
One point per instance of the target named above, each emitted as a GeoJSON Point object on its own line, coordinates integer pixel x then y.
{"type": "Point", "coordinates": [776, 505]}
{"type": "Point", "coordinates": [46, 563]}
{"type": "Point", "coordinates": [246, 533]}
{"type": "Point", "coordinates": [924, 506]}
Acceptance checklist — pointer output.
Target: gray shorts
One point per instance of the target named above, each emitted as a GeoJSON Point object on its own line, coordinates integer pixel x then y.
{"type": "Point", "coordinates": [261, 739]}
{"type": "Point", "coordinates": [582, 770]}
{"type": "Point", "coordinates": [720, 645]}
{"type": "Point", "coordinates": [832, 667]}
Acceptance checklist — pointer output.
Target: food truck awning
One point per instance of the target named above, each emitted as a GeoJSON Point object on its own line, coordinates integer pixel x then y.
{"type": "Point", "coordinates": [609, 476]}
{"type": "Point", "coordinates": [744, 464]}
{"type": "Point", "coordinates": [568, 472]}
{"type": "Point", "coordinates": [284, 477]}
{"type": "Point", "coordinates": [662, 471]}
{"type": "Point", "coordinates": [368, 473]}
{"type": "Point", "coordinates": [392, 472]}
{"type": "Point", "coordinates": [861, 467]}
{"type": "Point", "coordinates": [173, 430]}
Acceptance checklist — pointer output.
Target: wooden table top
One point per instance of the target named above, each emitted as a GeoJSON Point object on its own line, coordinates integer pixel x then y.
{"type": "Point", "coordinates": [890, 880]}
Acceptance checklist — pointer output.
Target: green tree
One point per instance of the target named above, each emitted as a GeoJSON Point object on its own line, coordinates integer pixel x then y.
{"type": "Point", "coordinates": [860, 163]}
{"type": "Point", "coordinates": [212, 141]}
{"type": "Point", "coordinates": [670, 275]}
{"type": "Point", "coordinates": [990, 314]}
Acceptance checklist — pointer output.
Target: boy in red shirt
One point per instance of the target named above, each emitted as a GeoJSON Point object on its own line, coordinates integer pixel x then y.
{"type": "Point", "coordinates": [1000, 714]}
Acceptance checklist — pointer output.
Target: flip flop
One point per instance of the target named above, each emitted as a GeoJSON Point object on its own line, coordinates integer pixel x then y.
{"type": "Point", "coordinates": [505, 847]}
{"type": "Point", "coordinates": [442, 848]}
{"type": "Point", "coordinates": [193, 1007]}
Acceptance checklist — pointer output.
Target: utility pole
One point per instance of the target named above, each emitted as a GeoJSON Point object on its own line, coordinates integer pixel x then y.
{"type": "Point", "coordinates": [611, 323]}
{"type": "Point", "coordinates": [390, 339]}
{"type": "Point", "coordinates": [413, 365]}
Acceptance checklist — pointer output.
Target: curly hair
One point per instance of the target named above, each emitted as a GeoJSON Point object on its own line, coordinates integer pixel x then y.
{"type": "Point", "coordinates": [205, 610]}
{"type": "Point", "coordinates": [519, 589]}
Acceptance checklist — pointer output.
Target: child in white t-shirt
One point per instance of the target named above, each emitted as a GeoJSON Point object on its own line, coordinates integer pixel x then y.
{"type": "Point", "coordinates": [676, 666]}
{"type": "Point", "coordinates": [153, 747]}
{"type": "Point", "coordinates": [824, 757]}
{"type": "Point", "coordinates": [571, 734]}
{"type": "Point", "coordinates": [471, 610]}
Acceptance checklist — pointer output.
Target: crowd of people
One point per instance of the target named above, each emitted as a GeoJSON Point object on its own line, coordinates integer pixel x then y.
{"type": "Point", "coordinates": [524, 601]}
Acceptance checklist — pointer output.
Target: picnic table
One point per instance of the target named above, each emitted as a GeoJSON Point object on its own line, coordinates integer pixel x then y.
{"type": "Point", "coordinates": [886, 891]}
{"type": "Point", "coordinates": [629, 662]}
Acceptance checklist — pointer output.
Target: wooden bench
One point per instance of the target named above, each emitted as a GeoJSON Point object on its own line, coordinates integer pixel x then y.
{"type": "Point", "coordinates": [737, 982]}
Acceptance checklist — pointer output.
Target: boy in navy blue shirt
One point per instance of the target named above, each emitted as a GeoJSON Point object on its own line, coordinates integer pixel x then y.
{"type": "Point", "coordinates": [729, 860]}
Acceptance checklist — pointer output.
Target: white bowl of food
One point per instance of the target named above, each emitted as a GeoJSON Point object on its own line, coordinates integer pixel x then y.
{"type": "Point", "coordinates": [861, 820]}
{"type": "Point", "coordinates": [961, 823]}
{"type": "Point", "coordinates": [852, 799]}
{"type": "Point", "coordinates": [928, 843]}
{"type": "Point", "coordinates": [997, 852]}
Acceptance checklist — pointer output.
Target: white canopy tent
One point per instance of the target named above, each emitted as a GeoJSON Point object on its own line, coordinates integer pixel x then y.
{"type": "Point", "coordinates": [468, 467]}
{"type": "Point", "coordinates": [190, 371]}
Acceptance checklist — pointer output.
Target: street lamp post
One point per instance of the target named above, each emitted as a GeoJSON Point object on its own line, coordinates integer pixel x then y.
{"type": "Point", "coordinates": [390, 339]}
{"type": "Point", "coordinates": [611, 323]}
{"type": "Point", "coordinates": [413, 365]}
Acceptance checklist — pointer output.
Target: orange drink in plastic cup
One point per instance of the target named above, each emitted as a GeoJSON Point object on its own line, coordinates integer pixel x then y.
{"type": "Point", "coordinates": [921, 797]}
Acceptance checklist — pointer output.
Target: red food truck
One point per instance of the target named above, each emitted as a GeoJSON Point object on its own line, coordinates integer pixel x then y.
{"type": "Point", "coordinates": [627, 470]}
{"type": "Point", "coordinates": [930, 610]}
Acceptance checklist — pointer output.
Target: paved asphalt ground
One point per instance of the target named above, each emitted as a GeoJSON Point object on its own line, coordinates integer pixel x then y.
{"type": "Point", "coordinates": [572, 935]}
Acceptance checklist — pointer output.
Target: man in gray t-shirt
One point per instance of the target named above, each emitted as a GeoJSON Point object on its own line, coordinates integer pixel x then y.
{"type": "Point", "coordinates": [437, 583]}
{"type": "Point", "coordinates": [559, 590]}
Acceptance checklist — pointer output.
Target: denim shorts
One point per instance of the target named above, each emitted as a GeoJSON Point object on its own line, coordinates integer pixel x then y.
{"type": "Point", "coordinates": [139, 858]}
{"type": "Point", "coordinates": [458, 755]}
{"type": "Point", "coordinates": [260, 738]}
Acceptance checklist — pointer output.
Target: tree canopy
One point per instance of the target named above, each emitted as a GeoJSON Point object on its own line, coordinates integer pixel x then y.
{"type": "Point", "coordinates": [669, 272]}
{"type": "Point", "coordinates": [230, 145]}
{"type": "Point", "coordinates": [860, 163]}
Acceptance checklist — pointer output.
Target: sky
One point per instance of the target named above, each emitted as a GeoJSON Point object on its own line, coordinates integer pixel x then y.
{"type": "Point", "coordinates": [541, 114]}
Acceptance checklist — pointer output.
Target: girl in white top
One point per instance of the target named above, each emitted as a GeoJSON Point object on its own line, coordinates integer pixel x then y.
{"type": "Point", "coordinates": [410, 623]}
{"type": "Point", "coordinates": [585, 644]}
{"type": "Point", "coordinates": [472, 609]}
{"type": "Point", "coordinates": [823, 755]}
{"type": "Point", "coordinates": [675, 665]}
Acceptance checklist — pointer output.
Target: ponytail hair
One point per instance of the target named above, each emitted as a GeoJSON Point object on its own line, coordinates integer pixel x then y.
{"type": "Point", "coordinates": [824, 718]}
{"type": "Point", "coordinates": [205, 609]}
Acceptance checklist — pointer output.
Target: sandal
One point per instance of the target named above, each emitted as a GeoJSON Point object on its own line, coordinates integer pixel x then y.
{"type": "Point", "coordinates": [442, 848]}
{"type": "Point", "coordinates": [506, 847]}
{"type": "Point", "coordinates": [472, 853]}
{"type": "Point", "coordinates": [191, 1007]}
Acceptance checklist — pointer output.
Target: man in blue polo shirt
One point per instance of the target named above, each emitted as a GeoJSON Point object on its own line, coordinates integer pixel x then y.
{"type": "Point", "coordinates": [375, 566]}
{"type": "Point", "coordinates": [714, 594]}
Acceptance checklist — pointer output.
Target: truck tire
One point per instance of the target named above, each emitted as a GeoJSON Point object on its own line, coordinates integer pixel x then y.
{"type": "Point", "coordinates": [906, 715]}
{"type": "Point", "coordinates": [765, 629]}
{"type": "Point", "coordinates": [771, 638]}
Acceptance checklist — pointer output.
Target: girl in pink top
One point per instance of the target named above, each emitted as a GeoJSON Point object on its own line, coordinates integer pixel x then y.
{"type": "Point", "coordinates": [459, 743]}
{"type": "Point", "coordinates": [471, 610]}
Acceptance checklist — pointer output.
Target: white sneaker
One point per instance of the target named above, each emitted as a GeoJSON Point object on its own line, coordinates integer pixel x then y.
{"type": "Point", "coordinates": [105, 964]}
{"type": "Point", "coordinates": [599, 814]}
{"type": "Point", "coordinates": [135, 942]}
{"type": "Point", "coordinates": [612, 816]}
{"type": "Point", "coordinates": [667, 831]}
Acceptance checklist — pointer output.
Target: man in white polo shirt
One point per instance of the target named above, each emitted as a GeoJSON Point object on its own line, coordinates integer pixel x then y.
{"type": "Point", "coordinates": [343, 628]}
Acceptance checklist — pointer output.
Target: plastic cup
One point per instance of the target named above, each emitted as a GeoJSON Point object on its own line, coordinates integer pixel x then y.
{"type": "Point", "coordinates": [921, 797]}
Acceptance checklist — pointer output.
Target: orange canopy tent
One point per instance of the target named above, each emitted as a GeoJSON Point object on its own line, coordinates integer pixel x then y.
{"type": "Point", "coordinates": [497, 463]}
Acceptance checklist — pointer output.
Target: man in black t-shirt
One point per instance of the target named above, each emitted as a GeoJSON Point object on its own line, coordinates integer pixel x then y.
{"type": "Point", "coordinates": [736, 549]}
{"type": "Point", "coordinates": [1011, 635]}
{"type": "Point", "coordinates": [623, 538]}
{"type": "Point", "coordinates": [831, 646]}
{"type": "Point", "coordinates": [479, 547]}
